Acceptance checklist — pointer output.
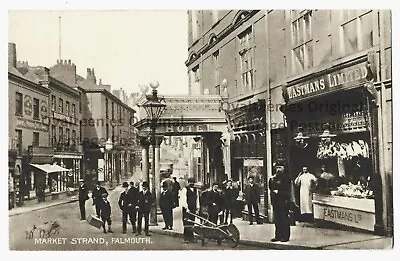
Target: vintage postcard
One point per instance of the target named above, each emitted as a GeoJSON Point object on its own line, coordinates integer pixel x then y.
{"type": "Point", "coordinates": [200, 129]}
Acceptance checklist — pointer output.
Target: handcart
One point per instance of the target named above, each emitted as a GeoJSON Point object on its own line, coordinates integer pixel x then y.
{"type": "Point", "coordinates": [207, 230]}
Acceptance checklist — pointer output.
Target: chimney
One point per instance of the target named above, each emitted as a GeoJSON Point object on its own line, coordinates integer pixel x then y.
{"type": "Point", "coordinates": [12, 55]}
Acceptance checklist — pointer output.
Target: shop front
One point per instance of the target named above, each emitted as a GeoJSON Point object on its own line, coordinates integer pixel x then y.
{"type": "Point", "coordinates": [332, 123]}
{"type": "Point", "coordinates": [248, 147]}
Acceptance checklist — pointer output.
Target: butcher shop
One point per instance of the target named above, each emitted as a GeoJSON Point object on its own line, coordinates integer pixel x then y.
{"type": "Point", "coordinates": [337, 146]}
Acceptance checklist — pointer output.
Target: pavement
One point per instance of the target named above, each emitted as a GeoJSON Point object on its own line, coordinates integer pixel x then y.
{"type": "Point", "coordinates": [302, 236]}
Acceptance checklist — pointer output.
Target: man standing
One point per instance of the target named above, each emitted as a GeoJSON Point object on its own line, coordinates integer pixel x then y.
{"type": "Point", "coordinates": [231, 195]}
{"type": "Point", "coordinates": [252, 195]}
{"type": "Point", "coordinates": [144, 205]}
{"type": "Point", "coordinates": [166, 206]}
{"type": "Point", "coordinates": [188, 201]}
{"type": "Point", "coordinates": [175, 191]}
{"type": "Point", "coordinates": [127, 206]}
{"type": "Point", "coordinates": [105, 213]}
{"type": "Point", "coordinates": [83, 196]}
{"type": "Point", "coordinates": [134, 198]}
{"type": "Point", "coordinates": [97, 197]}
{"type": "Point", "coordinates": [214, 204]}
{"type": "Point", "coordinates": [306, 181]}
{"type": "Point", "coordinates": [280, 187]}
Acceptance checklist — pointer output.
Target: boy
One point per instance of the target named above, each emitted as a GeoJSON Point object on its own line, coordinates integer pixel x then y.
{"type": "Point", "coordinates": [105, 213]}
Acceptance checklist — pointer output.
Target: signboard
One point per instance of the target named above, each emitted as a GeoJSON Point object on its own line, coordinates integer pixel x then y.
{"type": "Point", "coordinates": [340, 79]}
{"type": "Point", "coordinates": [253, 162]}
{"type": "Point", "coordinates": [31, 124]}
{"type": "Point", "coordinates": [345, 216]}
{"type": "Point", "coordinates": [187, 128]}
{"type": "Point", "coordinates": [100, 170]}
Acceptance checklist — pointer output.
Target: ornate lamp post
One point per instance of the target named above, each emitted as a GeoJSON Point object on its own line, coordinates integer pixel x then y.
{"type": "Point", "coordinates": [154, 108]}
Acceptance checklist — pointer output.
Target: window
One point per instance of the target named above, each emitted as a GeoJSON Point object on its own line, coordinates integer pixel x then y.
{"type": "Point", "coordinates": [106, 108]}
{"type": "Point", "coordinates": [53, 135]}
{"type": "Point", "coordinates": [246, 59]}
{"type": "Point", "coordinates": [216, 72]}
{"type": "Point", "coordinates": [60, 135]}
{"type": "Point", "coordinates": [35, 108]}
{"type": "Point", "coordinates": [73, 110]}
{"type": "Point", "coordinates": [112, 110]}
{"type": "Point", "coordinates": [73, 137]}
{"type": "Point", "coordinates": [112, 133]}
{"type": "Point", "coordinates": [107, 131]}
{"type": "Point", "coordinates": [19, 141]}
{"type": "Point", "coordinates": [35, 141]}
{"type": "Point", "coordinates": [53, 102]}
{"type": "Point", "coordinates": [302, 40]}
{"type": "Point", "coordinates": [67, 108]}
{"type": "Point", "coordinates": [356, 30]}
{"type": "Point", "coordinates": [18, 103]}
{"type": "Point", "coordinates": [67, 136]}
{"type": "Point", "coordinates": [120, 113]}
{"type": "Point", "coordinates": [60, 105]}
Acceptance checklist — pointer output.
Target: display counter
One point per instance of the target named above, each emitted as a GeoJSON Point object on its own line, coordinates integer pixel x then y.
{"type": "Point", "coordinates": [353, 212]}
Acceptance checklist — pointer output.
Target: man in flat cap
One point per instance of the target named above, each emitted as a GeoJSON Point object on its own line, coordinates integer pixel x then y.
{"type": "Point", "coordinates": [127, 206]}
{"type": "Point", "coordinates": [83, 196]}
{"type": "Point", "coordinates": [146, 200]}
{"type": "Point", "coordinates": [105, 213]}
{"type": "Point", "coordinates": [97, 197]}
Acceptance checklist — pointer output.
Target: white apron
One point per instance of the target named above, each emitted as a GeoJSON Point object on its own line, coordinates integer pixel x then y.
{"type": "Point", "coordinates": [305, 182]}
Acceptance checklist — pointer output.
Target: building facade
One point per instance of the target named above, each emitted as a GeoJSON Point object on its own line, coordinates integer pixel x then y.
{"type": "Point", "coordinates": [28, 132]}
{"type": "Point", "coordinates": [106, 118]}
{"type": "Point", "coordinates": [317, 72]}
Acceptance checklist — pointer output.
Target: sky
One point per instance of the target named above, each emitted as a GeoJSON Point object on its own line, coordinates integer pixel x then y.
{"type": "Point", "coordinates": [126, 48]}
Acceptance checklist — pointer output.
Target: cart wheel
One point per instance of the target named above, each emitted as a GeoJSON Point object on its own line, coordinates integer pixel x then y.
{"type": "Point", "coordinates": [234, 235]}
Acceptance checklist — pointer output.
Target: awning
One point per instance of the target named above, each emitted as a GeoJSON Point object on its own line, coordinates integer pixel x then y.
{"type": "Point", "coordinates": [49, 168]}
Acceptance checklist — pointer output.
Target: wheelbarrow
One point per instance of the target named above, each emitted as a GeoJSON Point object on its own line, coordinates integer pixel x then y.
{"type": "Point", "coordinates": [207, 230]}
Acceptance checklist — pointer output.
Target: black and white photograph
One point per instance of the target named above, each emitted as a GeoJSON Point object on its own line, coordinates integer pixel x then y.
{"type": "Point", "coordinates": [200, 129]}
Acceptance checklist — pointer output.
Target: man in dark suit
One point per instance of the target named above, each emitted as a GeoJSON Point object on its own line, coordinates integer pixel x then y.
{"type": "Point", "coordinates": [134, 197]}
{"type": "Point", "coordinates": [146, 199]}
{"type": "Point", "coordinates": [166, 206]}
{"type": "Point", "coordinates": [97, 198]}
{"type": "Point", "coordinates": [230, 194]}
{"type": "Point", "coordinates": [280, 186]}
{"type": "Point", "coordinates": [127, 206]}
{"type": "Point", "coordinates": [252, 195]}
{"type": "Point", "coordinates": [83, 196]}
{"type": "Point", "coordinates": [105, 213]}
{"type": "Point", "coordinates": [215, 201]}
{"type": "Point", "coordinates": [175, 191]}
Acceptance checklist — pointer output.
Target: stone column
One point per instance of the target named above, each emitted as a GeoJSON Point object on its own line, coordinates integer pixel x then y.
{"type": "Point", "coordinates": [145, 159]}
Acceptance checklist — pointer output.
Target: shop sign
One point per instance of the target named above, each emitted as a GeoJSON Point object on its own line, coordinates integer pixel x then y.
{"type": "Point", "coordinates": [31, 124]}
{"type": "Point", "coordinates": [187, 128]}
{"type": "Point", "coordinates": [345, 216]}
{"type": "Point", "coordinates": [253, 162]}
{"type": "Point", "coordinates": [340, 79]}
{"type": "Point", "coordinates": [100, 169]}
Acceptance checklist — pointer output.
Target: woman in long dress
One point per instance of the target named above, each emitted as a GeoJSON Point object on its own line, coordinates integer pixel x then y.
{"type": "Point", "coordinates": [306, 181]}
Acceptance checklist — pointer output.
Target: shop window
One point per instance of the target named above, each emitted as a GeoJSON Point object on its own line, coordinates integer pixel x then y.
{"type": "Point", "coordinates": [35, 108]}
{"type": "Point", "coordinates": [302, 49]}
{"type": "Point", "coordinates": [356, 30]}
{"type": "Point", "coordinates": [18, 103]}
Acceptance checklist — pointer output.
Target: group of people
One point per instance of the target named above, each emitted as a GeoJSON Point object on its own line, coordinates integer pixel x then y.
{"type": "Point", "coordinates": [283, 199]}
{"type": "Point", "coordinates": [134, 203]}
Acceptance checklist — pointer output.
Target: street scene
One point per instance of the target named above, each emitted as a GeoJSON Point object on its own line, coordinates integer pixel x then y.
{"type": "Point", "coordinates": [200, 130]}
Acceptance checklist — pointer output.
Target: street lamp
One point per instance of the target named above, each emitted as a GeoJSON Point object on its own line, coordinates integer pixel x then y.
{"type": "Point", "coordinates": [109, 146]}
{"type": "Point", "coordinates": [154, 108]}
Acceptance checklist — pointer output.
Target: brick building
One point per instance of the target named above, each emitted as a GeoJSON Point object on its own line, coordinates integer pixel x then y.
{"type": "Point", "coordinates": [300, 59]}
